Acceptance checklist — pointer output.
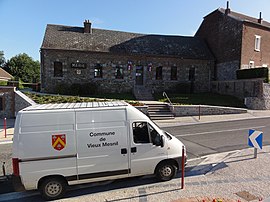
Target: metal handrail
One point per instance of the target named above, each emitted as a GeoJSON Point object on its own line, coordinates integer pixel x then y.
{"type": "Point", "coordinates": [166, 96]}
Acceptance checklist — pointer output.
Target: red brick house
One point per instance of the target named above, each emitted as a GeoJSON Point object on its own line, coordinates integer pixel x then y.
{"type": "Point", "coordinates": [237, 41]}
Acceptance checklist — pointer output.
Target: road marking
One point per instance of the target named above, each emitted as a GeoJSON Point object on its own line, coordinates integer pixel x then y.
{"type": "Point", "coordinates": [142, 193]}
{"type": "Point", "coordinates": [218, 131]}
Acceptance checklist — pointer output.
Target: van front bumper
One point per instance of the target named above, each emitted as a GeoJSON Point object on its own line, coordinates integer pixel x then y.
{"type": "Point", "coordinates": [179, 162]}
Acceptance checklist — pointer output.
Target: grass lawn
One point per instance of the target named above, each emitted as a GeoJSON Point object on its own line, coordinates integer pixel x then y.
{"type": "Point", "coordinates": [181, 99]}
{"type": "Point", "coordinates": [46, 99]}
{"type": "Point", "coordinates": [202, 99]}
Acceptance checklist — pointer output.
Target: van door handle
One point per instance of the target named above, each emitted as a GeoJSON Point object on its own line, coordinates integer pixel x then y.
{"type": "Point", "coordinates": [124, 151]}
{"type": "Point", "coordinates": [133, 149]}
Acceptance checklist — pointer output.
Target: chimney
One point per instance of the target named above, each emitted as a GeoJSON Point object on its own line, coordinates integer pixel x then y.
{"type": "Point", "coordinates": [228, 10]}
{"type": "Point", "coordinates": [260, 20]}
{"type": "Point", "coordinates": [87, 27]}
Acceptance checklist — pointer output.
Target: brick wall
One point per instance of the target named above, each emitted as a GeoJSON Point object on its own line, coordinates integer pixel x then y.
{"type": "Point", "coordinates": [109, 62]}
{"type": "Point", "coordinates": [249, 53]}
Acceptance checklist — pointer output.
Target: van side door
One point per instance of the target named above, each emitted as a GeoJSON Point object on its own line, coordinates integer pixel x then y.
{"type": "Point", "coordinates": [102, 145]}
{"type": "Point", "coordinates": [145, 152]}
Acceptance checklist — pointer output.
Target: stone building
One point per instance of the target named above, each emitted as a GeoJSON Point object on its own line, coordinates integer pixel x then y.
{"type": "Point", "coordinates": [237, 41]}
{"type": "Point", "coordinates": [119, 61]}
{"type": "Point", "coordinates": [116, 61]}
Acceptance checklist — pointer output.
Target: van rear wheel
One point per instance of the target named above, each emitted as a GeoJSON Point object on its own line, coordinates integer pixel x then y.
{"type": "Point", "coordinates": [53, 188]}
{"type": "Point", "coordinates": [166, 171]}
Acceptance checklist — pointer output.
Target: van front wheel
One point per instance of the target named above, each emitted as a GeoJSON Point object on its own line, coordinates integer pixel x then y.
{"type": "Point", "coordinates": [53, 188]}
{"type": "Point", "coordinates": [166, 171]}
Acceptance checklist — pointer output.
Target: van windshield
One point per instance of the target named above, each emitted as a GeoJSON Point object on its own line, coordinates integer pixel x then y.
{"type": "Point", "coordinates": [163, 132]}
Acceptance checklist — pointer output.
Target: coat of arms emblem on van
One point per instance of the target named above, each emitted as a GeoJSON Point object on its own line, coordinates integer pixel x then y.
{"type": "Point", "coordinates": [59, 141]}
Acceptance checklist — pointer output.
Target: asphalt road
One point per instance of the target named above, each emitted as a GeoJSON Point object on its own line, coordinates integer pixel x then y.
{"type": "Point", "coordinates": [210, 138]}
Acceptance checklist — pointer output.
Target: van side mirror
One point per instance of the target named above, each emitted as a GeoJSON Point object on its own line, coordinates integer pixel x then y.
{"type": "Point", "coordinates": [162, 140]}
{"type": "Point", "coordinates": [159, 140]}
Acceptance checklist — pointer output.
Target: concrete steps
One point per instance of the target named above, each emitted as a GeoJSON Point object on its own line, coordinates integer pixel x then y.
{"type": "Point", "coordinates": [159, 111]}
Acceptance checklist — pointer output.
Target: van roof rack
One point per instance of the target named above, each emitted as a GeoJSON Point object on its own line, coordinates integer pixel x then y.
{"type": "Point", "coordinates": [76, 105]}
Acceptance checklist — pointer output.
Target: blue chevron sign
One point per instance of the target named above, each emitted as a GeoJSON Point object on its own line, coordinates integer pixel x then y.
{"type": "Point", "coordinates": [255, 139]}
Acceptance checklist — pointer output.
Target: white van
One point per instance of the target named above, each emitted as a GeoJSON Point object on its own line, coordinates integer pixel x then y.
{"type": "Point", "coordinates": [56, 145]}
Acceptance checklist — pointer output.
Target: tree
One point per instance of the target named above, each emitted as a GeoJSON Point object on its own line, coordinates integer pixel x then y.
{"type": "Point", "coordinates": [2, 59]}
{"type": "Point", "coordinates": [24, 67]}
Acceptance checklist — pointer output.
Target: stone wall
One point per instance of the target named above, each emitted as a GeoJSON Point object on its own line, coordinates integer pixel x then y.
{"type": "Point", "coordinates": [13, 101]}
{"type": "Point", "coordinates": [195, 110]}
{"type": "Point", "coordinates": [109, 62]}
{"type": "Point", "coordinates": [239, 88]}
{"type": "Point", "coordinates": [254, 92]}
{"type": "Point", "coordinates": [7, 96]}
{"type": "Point", "coordinates": [225, 42]}
{"type": "Point", "coordinates": [227, 70]}
{"type": "Point", "coordinates": [22, 101]}
{"type": "Point", "coordinates": [262, 102]}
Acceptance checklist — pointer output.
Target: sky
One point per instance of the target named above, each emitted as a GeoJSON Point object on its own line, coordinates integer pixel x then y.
{"type": "Point", "coordinates": [23, 22]}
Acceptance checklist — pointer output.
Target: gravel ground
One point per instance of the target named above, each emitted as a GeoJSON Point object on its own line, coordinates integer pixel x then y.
{"type": "Point", "coordinates": [5, 156]}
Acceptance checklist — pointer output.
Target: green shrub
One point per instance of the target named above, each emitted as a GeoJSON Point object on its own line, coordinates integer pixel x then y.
{"type": "Point", "coordinates": [62, 89]}
{"type": "Point", "coordinates": [75, 89]}
{"type": "Point", "coordinates": [261, 72]}
{"type": "Point", "coordinates": [85, 89]}
{"type": "Point", "coordinates": [3, 83]}
{"type": "Point", "coordinates": [88, 89]}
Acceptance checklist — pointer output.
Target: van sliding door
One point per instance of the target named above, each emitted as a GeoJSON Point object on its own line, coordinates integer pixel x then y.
{"type": "Point", "coordinates": [102, 144]}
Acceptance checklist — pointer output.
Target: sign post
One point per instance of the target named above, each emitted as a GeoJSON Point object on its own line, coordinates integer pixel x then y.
{"type": "Point", "coordinates": [255, 140]}
{"type": "Point", "coordinates": [183, 167]}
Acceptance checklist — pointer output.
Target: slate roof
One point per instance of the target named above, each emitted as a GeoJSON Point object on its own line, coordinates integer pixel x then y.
{"type": "Point", "coordinates": [245, 18]}
{"type": "Point", "coordinates": [100, 40]}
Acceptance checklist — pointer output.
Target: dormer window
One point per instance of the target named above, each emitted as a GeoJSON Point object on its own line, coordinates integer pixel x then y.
{"type": "Point", "coordinates": [257, 43]}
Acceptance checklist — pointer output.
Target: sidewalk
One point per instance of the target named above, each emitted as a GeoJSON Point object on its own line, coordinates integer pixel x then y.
{"type": "Point", "coordinates": [186, 120]}
{"type": "Point", "coordinates": [9, 131]}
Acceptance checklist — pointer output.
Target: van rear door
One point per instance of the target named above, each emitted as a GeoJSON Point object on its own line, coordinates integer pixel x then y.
{"type": "Point", "coordinates": [102, 144]}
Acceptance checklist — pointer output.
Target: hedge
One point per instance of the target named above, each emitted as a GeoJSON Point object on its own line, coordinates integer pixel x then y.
{"type": "Point", "coordinates": [261, 72]}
